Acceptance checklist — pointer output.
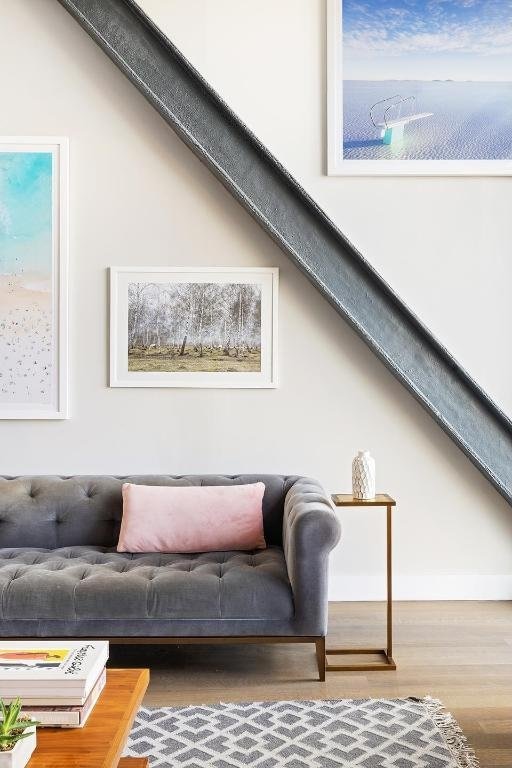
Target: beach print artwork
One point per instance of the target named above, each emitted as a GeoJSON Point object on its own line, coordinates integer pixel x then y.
{"type": "Point", "coordinates": [29, 284]}
{"type": "Point", "coordinates": [420, 86]}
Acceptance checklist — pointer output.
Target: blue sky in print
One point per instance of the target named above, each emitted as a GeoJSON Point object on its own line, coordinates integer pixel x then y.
{"type": "Point", "coordinates": [427, 40]}
{"type": "Point", "coordinates": [25, 212]}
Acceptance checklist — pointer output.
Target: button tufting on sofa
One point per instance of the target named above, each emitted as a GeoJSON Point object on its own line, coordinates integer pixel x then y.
{"type": "Point", "coordinates": [50, 579]}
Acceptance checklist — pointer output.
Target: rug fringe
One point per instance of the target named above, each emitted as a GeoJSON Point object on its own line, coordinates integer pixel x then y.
{"type": "Point", "coordinates": [452, 733]}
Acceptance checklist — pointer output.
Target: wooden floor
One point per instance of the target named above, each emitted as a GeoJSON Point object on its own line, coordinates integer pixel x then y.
{"type": "Point", "coordinates": [459, 652]}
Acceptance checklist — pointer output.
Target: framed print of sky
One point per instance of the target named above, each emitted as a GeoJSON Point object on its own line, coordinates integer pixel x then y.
{"type": "Point", "coordinates": [420, 87]}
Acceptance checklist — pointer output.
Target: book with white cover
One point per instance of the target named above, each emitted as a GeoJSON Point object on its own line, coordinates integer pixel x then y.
{"type": "Point", "coordinates": [58, 668]}
{"type": "Point", "coordinates": [51, 701]}
{"type": "Point", "coordinates": [62, 716]}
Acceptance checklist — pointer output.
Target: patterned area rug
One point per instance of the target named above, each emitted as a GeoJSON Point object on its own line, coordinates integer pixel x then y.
{"type": "Point", "coordinates": [371, 733]}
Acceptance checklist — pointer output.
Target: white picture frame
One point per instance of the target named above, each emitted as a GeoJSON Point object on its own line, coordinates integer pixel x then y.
{"type": "Point", "coordinates": [168, 355]}
{"type": "Point", "coordinates": [338, 164]}
{"type": "Point", "coordinates": [36, 267]}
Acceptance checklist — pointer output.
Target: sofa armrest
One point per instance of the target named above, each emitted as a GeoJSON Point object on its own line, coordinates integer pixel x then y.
{"type": "Point", "coordinates": [310, 531]}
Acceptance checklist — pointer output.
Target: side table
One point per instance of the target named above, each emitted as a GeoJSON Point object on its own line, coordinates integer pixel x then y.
{"type": "Point", "coordinates": [387, 662]}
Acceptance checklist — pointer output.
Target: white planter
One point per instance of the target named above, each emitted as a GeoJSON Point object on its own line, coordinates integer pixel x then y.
{"type": "Point", "coordinates": [363, 476]}
{"type": "Point", "coordinates": [20, 755]}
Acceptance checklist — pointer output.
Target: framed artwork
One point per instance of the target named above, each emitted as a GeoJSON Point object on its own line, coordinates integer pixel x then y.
{"type": "Point", "coordinates": [33, 277]}
{"type": "Point", "coordinates": [419, 88]}
{"type": "Point", "coordinates": [186, 327]}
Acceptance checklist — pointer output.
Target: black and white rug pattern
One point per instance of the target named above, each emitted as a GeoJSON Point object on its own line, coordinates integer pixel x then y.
{"type": "Point", "coordinates": [368, 733]}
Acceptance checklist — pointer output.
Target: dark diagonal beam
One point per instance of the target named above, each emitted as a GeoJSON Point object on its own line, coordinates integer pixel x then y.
{"type": "Point", "coordinates": [304, 232]}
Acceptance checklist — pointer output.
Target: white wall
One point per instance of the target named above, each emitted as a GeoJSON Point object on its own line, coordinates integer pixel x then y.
{"type": "Point", "coordinates": [443, 244]}
{"type": "Point", "coordinates": [138, 196]}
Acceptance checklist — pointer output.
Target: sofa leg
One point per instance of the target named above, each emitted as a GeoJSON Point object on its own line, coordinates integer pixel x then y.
{"type": "Point", "coordinates": [320, 657]}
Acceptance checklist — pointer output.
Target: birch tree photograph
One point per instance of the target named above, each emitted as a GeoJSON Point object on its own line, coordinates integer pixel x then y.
{"type": "Point", "coordinates": [193, 327]}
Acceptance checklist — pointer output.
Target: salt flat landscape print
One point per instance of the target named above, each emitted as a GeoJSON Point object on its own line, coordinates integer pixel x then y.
{"type": "Point", "coordinates": [194, 327]}
{"type": "Point", "coordinates": [426, 81]}
{"type": "Point", "coordinates": [27, 354]}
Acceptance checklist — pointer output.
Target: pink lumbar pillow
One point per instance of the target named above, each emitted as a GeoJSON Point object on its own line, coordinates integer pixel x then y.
{"type": "Point", "coordinates": [191, 518]}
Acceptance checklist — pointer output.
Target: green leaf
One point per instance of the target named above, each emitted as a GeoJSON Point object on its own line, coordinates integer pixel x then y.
{"type": "Point", "coordinates": [12, 726]}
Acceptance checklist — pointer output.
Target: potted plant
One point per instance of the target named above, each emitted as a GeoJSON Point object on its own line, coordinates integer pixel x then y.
{"type": "Point", "coordinates": [17, 736]}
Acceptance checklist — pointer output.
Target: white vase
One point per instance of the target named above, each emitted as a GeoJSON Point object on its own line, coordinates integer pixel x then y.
{"type": "Point", "coordinates": [363, 476]}
{"type": "Point", "coordinates": [20, 755]}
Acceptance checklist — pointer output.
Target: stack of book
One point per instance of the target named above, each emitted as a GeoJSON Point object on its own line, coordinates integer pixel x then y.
{"type": "Point", "coordinates": [58, 682]}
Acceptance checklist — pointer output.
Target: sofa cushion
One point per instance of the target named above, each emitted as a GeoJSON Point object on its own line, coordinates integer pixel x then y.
{"type": "Point", "coordinates": [98, 582]}
{"type": "Point", "coordinates": [192, 519]}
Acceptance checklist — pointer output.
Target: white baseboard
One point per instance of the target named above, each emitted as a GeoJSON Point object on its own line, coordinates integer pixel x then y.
{"type": "Point", "coordinates": [370, 586]}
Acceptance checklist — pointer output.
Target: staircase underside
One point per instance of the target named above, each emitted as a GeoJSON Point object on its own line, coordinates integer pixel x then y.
{"type": "Point", "coordinates": [304, 232]}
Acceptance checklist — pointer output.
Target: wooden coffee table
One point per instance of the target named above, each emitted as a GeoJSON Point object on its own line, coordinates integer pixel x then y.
{"type": "Point", "coordinates": [100, 743]}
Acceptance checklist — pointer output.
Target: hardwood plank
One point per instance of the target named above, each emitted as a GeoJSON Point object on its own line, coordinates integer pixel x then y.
{"type": "Point", "coordinates": [102, 741]}
{"type": "Point", "coordinates": [459, 652]}
{"type": "Point", "coordinates": [133, 762]}
{"type": "Point", "coordinates": [494, 758]}
{"type": "Point", "coordinates": [495, 725]}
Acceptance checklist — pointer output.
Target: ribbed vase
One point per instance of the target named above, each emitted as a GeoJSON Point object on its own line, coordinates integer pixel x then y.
{"type": "Point", "coordinates": [363, 476]}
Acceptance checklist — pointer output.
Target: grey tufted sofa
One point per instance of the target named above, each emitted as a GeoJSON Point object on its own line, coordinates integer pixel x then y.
{"type": "Point", "coordinates": [60, 574]}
